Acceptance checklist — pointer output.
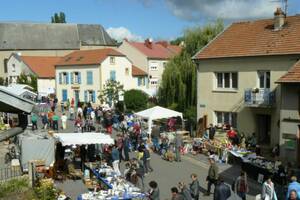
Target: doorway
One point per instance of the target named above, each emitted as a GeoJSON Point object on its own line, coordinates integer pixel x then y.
{"type": "Point", "coordinates": [263, 127]}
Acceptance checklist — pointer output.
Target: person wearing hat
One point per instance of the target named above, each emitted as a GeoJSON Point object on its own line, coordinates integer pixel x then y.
{"type": "Point", "coordinates": [213, 173]}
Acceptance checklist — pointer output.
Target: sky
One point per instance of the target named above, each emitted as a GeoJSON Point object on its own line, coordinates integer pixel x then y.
{"type": "Point", "coordinates": [141, 19]}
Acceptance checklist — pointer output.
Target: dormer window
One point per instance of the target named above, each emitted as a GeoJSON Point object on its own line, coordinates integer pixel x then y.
{"type": "Point", "coordinates": [112, 60]}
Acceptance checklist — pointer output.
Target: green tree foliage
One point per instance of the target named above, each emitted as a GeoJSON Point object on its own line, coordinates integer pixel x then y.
{"type": "Point", "coordinates": [58, 18]}
{"type": "Point", "coordinates": [110, 93]}
{"type": "Point", "coordinates": [178, 89]}
{"type": "Point", "coordinates": [30, 80]}
{"type": "Point", "coordinates": [135, 100]}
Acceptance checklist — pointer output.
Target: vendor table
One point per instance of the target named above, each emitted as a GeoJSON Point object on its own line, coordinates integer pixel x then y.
{"type": "Point", "coordinates": [253, 170]}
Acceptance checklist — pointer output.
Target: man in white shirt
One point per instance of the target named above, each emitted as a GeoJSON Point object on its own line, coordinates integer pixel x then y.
{"type": "Point", "coordinates": [64, 119]}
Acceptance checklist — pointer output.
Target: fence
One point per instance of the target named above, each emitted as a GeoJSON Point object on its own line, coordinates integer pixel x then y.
{"type": "Point", "coordinates": [9, 173]}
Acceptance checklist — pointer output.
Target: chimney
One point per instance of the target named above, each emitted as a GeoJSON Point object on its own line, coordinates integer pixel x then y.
{"type": "Point", "coordinates": [148, 43]}
{"type": "Point", "coordinates": [279, 18]}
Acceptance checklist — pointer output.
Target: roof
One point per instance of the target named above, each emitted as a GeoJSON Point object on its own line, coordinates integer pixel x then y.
{"type": "Point", "coordinates": [157, 50]}
{"type": "Point", "coordinates": [292, 76]}
{"type": "Point", "coordinates": [137, 71]}
{"type": "Point", "coordinates": [87, 57]}
{"type": "Point", "coordinates": [42, 66]}
{"type": "Point", "coordinates": [31, 36]}
{"type": "Point", "coordinates": [255, 38]}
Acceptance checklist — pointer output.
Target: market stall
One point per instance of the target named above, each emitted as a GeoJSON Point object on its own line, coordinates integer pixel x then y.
{"type": "Point", "coordinates": [157, 112]}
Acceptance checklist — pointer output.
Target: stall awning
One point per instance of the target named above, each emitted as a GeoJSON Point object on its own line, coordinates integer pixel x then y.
{"type": "Point", "coordinates": [83, 138]}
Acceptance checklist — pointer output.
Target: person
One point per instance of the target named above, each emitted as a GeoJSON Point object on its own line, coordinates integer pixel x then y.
{"type": "Point", "coordinates": [154, 191]}
{"type": "Point", "coordinates": [127, 171]}
{"type": "Point", "coordinates": [72, 102]}
{"type": "Point", "coordinates": [211, 132]}
{"type": "Point", "coordinates": [241, 185]}
{"type": "Point", "coordinates": [34, 119]}
{"type": "Point", "coordinates": [175, 194]}
{"type": "Point", "coordinates": [276, 151]}
{"type": "Point", "coordinates": [79, 111]}
{"type": "Point", "coordinates": [232, 135]}
{"type": "Point", "coordinates": [252, 141]}
{"type": "Point", "coordinates": [184, 191]}
{"type": "Point", "coordinates": [178, 144]}
{"type": "Point", "coordinates": [294, 185]}
{"type": "Point", "coordinates": [126, 144]}
{"type": "Point", "coordinates": [44, 121]}
{"type": "Point", "coordinates": [71, 110]}
{"type": "Point", "coordinates": [155, 137]}
{"type": "Point", "coordinates": [62, 106]}
{"type": "Point", "coordinates": [64, 119]}
{"type": "Point", "coordinates": [195, 187]}
{"type": "Point", "coordinates": [293, 195]}
{"type": "Point", "coordinates": [222, 191]}
{"type": "Point", "coordinates": [268, 191]}
{"type": "Point", "coordinates": [120, 145]}
{"type": "Point", "coordinates": [68, 104]}
{"type": "Point", "coordinates": [212, 175]}
{"type": "Point", "coordinates": [55, 119]}
{"type": "Point", "coordinates": [116, 160]}
{"type": "Point", "coordinates": [146, 160]}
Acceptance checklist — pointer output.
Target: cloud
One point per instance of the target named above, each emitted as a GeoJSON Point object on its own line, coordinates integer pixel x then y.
{"type": "Point", "coordinates": [121, 33]}
{"type": "Point", "coordinates": [195, 10]}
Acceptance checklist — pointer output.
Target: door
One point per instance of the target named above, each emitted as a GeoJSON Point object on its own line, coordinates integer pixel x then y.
{"type": "Point", "coordinates": [263, 127]}
{"type": "Point", "coordinates": [76, 97]}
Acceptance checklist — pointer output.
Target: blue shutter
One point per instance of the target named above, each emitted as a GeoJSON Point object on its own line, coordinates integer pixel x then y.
{"type": "Point", "coordinates": [60, 78]}
{"type": "Point", "coordinates": [247, 96]}
{"type": "Point", "coordinates": [72, 77]}
{"type": "Point", "coordinates": [139, 81]}
{"type": "Point", "coordinates": [113, 75]}
{"type": "Point", "coordinates": [85, 96]}
{"type": "Point", "coordinates": [67, 78]}
{"type": "Point", "coordinates": [79, 78]}
{"type": "Point", "coordinates": [146, 81]}
{"type": "Point", "coordinates": [89, 78]}
{"type": "Point", "coordinates": [94, 96]}
{"type": "Point", "coordinates": [64, 95]}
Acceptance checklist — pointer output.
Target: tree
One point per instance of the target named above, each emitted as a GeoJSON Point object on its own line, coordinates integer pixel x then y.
{"type": "Point", "coordinates": [30, 80]}
{"type": "Point", "coordinates": [110, 93]}
{"type": "Point", "coordinates": [135, 100]}
{"type": "Point", "coordinates": [178, 89]}
{"type": "Point", "coordinates": [58, 18]}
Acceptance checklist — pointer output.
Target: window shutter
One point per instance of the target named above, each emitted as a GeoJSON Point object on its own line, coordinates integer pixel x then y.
{"type": "Point", "coordinates": [72, 77]}
{"type": "Point", "coordinates": [94, 97]}
{"type": "Point", "coordinates": [146, 81]}
{"type": "Point", "coordinates": [60, 78]}
{"type": "Point", "coordinates": [89, 78]}
{"type": "Point", "coordinates": [79, 78]}
{"type": "Point", "coordinates": [139, 81]}
{"type": "Point", "coordinates": [85, 96]}
{"type": "Point", "coordinates": [67, 78]}
{"type": "Point", "coordinates": [64, 95]}
{"type": "Point", "coordinates": [113, 75]}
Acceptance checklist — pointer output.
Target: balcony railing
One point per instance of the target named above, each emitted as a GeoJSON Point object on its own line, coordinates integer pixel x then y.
{"type": "Point", "coordinates": [259, 97]}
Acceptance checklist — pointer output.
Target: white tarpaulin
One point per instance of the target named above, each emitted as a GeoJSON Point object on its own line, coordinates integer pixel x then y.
{"type": "Point", "coordinates": [157, 112]}
{"type": "Point", "coordinates": [68, 139]}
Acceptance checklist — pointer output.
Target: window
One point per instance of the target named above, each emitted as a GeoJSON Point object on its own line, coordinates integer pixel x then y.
{"type": "Point", "coordinates": [141, 81]}
{"type": "Point", "coordinates": [226, 118]}
{"type": "Point", "coordinates": [5, 64]}
{"type": "Point", "coordinates": [126, 71]}
{"type": "Point", "coordinates": [112, 75]}
{"type": "Point", "coordinates": [153, 81]}
{"type": "Point", "coordinates": [153, 66]}
{"type": "Point", "coordinates": [164, 64]}
{"type": "Point", "coordinates": [90, 96]}
{"type": "Point", "coordinates": [264, 78]}
{"type": "Point", "coordinates": [89, 78]}
{"type": "Point", "coordinates": [75, 78]}
{"type": "Point", "coordinates": [64, 95]}
{"type": "Point", "coordinates": [13, 68]}
{"type": "Point", "coordinates": [63, 78]}
{"type": "Point", "coordinates": [227, 80]}
{"type": "Point", "coordinates": [112, 60]}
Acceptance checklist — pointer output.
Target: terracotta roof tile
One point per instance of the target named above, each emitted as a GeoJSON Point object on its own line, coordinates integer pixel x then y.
{"type": "Point", "coordinates": [42, 66]}
{"type": "Point", "coordinates": [138, 72]}
{"type": "Point", "coordinates": [292, 76]}
{"type": "Point", "coordinates": [88, 57]}
{"type": "Point", "coordinates": [255, 38]}
{"type": "Point", "coordinates": [157, 50]}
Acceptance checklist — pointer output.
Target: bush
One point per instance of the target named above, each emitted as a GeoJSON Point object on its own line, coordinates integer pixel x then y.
{"type": "Point", "coordinates": [135, 100]}
{"type": "Point", "coordinates": [13, 186]}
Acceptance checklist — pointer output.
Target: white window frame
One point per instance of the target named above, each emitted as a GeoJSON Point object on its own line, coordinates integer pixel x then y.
{"type": "Point", "coordinates": [75, 77]}
{"type": "Point", "coordinates": [264, 72]}
{"type": "Point", "coordinates": [223, 81]}
{"type": "Point", "coordinates": [223, 117]}
{"type": "Point", "coordinates": [152, 80]}
{"type": "Point", "coordinates": [64, 77]}
{"type": "Point", "coordinates": [13, 67]}
{"type": "Point", "coordinates": [154, 66]}
{"type": "Point", "coordinates": [90, 95]}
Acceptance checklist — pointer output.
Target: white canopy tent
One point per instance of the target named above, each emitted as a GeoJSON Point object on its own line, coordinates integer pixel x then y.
{"type": "Point", "coordinates": [68, 139]}
{"type": "Point", "coordinates": [157, 112]}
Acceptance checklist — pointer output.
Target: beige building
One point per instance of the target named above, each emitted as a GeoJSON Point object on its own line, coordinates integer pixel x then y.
{"type": "Point", "coordinates": [82, 74]}
{"type": "Point", "coordinates": [40, 66]}
{"type": "Point", "coordinates": [36, 39]}
{"type": "Point", "coordinates": [151, 57]}
{"type": "Point", "coordinates": [236, 77]}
